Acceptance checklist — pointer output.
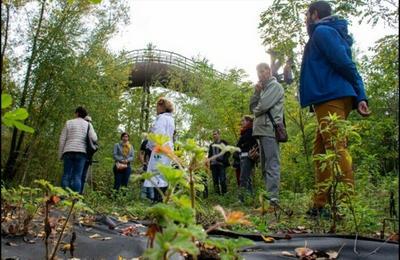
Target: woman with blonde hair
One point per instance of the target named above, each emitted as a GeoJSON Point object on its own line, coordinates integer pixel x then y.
{"type": "Point", "coordinates": [164, 125]}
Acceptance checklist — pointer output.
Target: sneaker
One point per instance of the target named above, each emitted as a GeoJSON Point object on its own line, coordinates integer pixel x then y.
{"type": "Point", "coordinates": [274, 202]}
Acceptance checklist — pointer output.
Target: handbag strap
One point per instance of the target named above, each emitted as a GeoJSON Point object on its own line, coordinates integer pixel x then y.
{"type": "Point", "coordinates": [273, 121]}
{"type": "Point", "coordinates": [87, 133]}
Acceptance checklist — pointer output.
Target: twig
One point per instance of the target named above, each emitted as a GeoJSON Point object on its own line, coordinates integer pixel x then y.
{"type": "Point", "coordinates": [340, 249]}
{"type": "Point", "coordinates": [215, 226]}
{"type": "Point", "coordinates": [370, 253]}
{"type": "Point", "coordinates": [62, 230]}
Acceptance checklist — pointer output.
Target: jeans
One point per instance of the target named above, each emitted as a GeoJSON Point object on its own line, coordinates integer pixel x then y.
{"type": "Point", "coordinates": [121, 178]}
{"type": "Point", "coordinates": [73, 168]}
{"type": "Point", "coordinates": [270, 165]}
{"type": "Point", "coordinates": [84, 174]}
{"type": "Point", "coordinates": [219, 178]}
{"type": "Point", "coordinates": [147, 192]}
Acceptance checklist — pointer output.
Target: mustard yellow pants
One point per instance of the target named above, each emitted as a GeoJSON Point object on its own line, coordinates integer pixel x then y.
{"type": "Point", "coordinates": [342, 107]}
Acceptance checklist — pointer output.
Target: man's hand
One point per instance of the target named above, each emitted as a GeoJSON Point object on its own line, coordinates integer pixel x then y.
{"type": "Point", "coordinates": [363, 109]}
{"type": "Point", "coordinates": [259, 86]}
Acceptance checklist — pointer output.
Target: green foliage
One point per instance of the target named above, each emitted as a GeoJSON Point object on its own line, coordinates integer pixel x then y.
{"type": "Point", "coordinates": [158, 139]}
{"type": "Point", "coordinates": [168, 214]}
{"type": "Point", "coordinates": [72, 66]}
{"type": "Point", "coordinates": [338, 131]}
{"type": "Point", "coordinates": [175, 240]}
{"type": "Point", "coordinates": [229, 247]}
{"type": "Point", "coordinates": [176, 216]}
{"type": "Point", "coordinates": [15, 117]}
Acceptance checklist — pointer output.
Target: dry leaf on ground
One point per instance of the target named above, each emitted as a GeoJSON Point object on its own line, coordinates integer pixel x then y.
{"type": "Point", "coordinates": [286, 253]}
{"type": "Point", "coordinates": [303, 251]}
{"type": "Point", "coordinates": [268, 239]}
{"type": "Point", "coordinates": [94, 236]}
{"type": "Point", "coordinates": [11, 244]}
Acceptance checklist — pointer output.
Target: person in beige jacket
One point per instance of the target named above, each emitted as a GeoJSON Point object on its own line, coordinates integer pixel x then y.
{"type": "Point", "coordinates": [268, 96]}
{"type": "Point", "coordinates": [72, 148]}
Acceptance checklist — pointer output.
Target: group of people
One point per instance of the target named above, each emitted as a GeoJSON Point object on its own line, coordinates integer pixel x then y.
{"type": "Point", "coordinates": [74, 141]}
{"type": "Point", "coordinates": [329, 84]}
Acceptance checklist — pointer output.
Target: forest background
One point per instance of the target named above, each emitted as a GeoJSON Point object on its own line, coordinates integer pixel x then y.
{"type": "Point", "coordinates": [57, 58]}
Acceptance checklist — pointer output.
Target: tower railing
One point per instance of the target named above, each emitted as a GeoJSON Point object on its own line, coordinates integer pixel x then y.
{"type": "Point", "coordinates": [169, 58]}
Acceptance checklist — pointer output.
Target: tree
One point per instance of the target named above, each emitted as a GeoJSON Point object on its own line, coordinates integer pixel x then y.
{"type": "Point", "coordinates": [59, 63]}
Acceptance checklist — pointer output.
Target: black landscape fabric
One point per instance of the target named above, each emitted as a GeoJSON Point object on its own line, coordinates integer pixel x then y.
{"type": "Point", "coordinates": [110, 243]}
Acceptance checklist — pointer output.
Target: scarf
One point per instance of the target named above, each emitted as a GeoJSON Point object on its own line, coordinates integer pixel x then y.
{"type": "Point", "coordinates": [126, 147]}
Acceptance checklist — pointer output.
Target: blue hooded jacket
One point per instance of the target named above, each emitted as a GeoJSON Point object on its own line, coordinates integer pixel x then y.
{"type": "Point", "coordinates": [327, 70]}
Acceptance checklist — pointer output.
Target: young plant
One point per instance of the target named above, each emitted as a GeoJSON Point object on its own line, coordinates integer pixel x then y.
{"type": "Point", "coordinates": [174, 229]}
{"type": "Point", "coordinates": [23, 202]}
{"type": "Point", "coordinates": [52, 196]}
{"type": "Point", "coordinates": [339, 131]}
{"type": "Point", "coordinates": [229, 248]}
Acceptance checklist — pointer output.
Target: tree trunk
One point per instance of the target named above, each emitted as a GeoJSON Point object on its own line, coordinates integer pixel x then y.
{"type": "Point", "coordinates": [9, 170]}
{"type": "Point", "coordinates": [5, 39]}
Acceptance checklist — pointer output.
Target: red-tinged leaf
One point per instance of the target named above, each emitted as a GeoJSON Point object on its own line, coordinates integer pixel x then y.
{"type": "Point", "coordinates": [151, 233]}
{"type": "Point", "coordinates": [129, 231]}
{"type": "Point", "coordinates": [54, 199]}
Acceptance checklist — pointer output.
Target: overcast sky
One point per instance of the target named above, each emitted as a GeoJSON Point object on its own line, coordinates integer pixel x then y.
{"type": "Point", "coordinates": [223, 31]}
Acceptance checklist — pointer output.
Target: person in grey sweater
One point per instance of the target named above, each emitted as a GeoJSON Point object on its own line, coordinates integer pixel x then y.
{"type": "Point", "coordinates": [72, 149]}
{"type": "Point", "coordinates": [123, 156]}
{"type": "Point", "coordinates": [268, 96]}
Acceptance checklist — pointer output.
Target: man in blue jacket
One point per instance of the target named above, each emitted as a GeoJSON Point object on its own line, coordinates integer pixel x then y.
{"type": "Point", "coordinates": [329, 83]}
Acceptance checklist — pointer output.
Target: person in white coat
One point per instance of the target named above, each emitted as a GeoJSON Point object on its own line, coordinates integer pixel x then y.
{"type": "Point", "coordinates": [164, 125]}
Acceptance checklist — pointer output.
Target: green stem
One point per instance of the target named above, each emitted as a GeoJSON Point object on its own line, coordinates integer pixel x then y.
{"type": "Point", "coordinates": [192, 195]}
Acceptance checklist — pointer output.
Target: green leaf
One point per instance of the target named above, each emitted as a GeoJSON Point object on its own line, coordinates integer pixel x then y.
{"type": "Point", "coordinates": [6, 101]}
{"type": "Point", "coordinates": [183, 201]}
{"type": "Point", "coordinates": [226, 148]}
{"type": "Point", "coordinates": [167, 214]}
{"type": "Point", "coordinates": [6, 121]}
{"type": "Point", "coordinates": [158, 139]}
{"type": "Point", "coordinates": [20, 114]}
{"type": "Point", "coordinates": [173, 176]}
{"type": "Point", "coordinates": [96, 1]}
{"type": "Point", "coordinates": [23, 127]}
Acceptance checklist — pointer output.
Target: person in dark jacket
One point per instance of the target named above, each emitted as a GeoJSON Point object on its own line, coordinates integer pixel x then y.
{"type": "Point", "coordinates": [329, 84]}
{"type": "Point", "coordinates": [236, 166]}
{"type": "Point", "coordinates": [246, 142]}
{"type": "Point", "coordinates": [218, 165]}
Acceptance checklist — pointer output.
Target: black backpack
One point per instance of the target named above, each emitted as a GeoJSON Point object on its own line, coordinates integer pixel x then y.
{"type": "Point", "coordinates": [91, 146]}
